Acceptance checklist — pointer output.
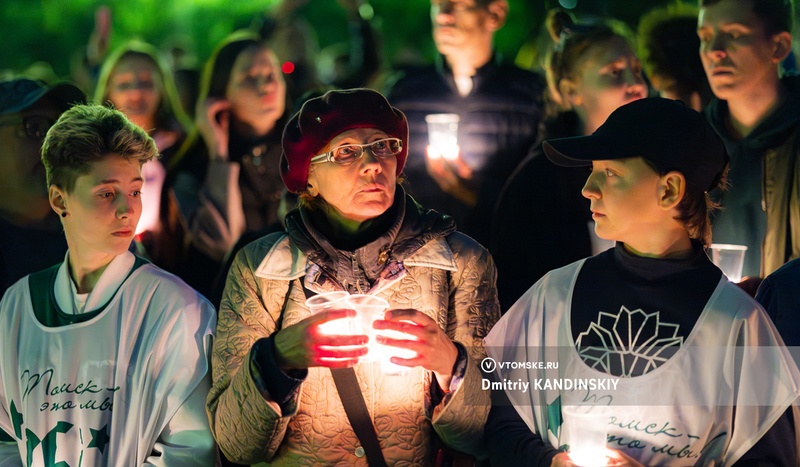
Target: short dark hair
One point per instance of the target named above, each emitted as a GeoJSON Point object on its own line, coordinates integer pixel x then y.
{"type": "Point", "coordinates": [777, 15]}
{"type": "Point", "coordinates": [695, 208]}
{"type": "Point", "coordinates": [87, 133]}
{"type": "Point", "coordinates": [668, 46]}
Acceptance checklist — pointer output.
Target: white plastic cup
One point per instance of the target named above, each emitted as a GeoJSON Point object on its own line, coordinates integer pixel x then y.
{"type": "Point", "coordinates": [443, 135]}
{"type": "Point", "coordinates": [369, 308]}
{"type": "Point", "coordinates": [393, 369]}
{"type": "Point", "coordinates": [729, 258]}
{"type": "Point", "coordinates": [587, 432]}
{"type": "Point", "coordinates": [332, 301]}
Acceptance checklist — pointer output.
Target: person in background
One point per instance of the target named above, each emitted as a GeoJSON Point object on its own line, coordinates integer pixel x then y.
{"type": "Point", "coordinates": [135, 80]}
{"type": "Point", "coordinates": [778, 295]}
{"type": "Point", "coordinates": [103, 328]}
{"type": "Point", "coordinates": [499, 106]}
{"type": "Point", "coordinates": [226, 178]}
{"type": "Point", "coordinates": [702, 375]}
{"type": "Point", "coordinates": [756, 112]}
{"type": "Point", "coordinates": [591, 70]}
{"type": "Point", "coordinates": [30, 234]}
{"type": "Point", "coordinates": [356, 230]}
{"type": "Point", "coordinates": [668, 46]}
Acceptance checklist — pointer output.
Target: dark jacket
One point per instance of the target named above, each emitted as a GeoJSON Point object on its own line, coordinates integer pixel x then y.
{"type": "Point", "coordinates": [762, 207]}
{"type": "Point", "coordinates": [219, 201]}
{"type": "Point", "coordinates": [541, 220]}
{"type": "Point", "coordinates": [499, 120]}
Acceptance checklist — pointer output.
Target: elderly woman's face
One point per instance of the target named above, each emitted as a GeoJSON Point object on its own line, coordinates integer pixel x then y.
{"type": "Point", "coordinates": [361, 190]}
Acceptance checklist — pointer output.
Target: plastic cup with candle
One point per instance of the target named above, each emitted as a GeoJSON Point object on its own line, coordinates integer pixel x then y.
{"type": "Point", "coordinates": [729, 258]}
{"type": "Point", "coordinates": [369, 308]}
{"type": "Point", "coordinates": [443, 136]}
{"type": "Point", "coordinates": [333, 301]}
{"type": "Point", "coordinates": [389, 351]}
{"type": "Point", "coordinates": [587, 429]}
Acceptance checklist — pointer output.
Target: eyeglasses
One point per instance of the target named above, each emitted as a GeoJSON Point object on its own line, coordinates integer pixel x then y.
{"type": "Point", "coordinates": [35, 126]}
{"type": "Point", "coordinates": [349, 153]}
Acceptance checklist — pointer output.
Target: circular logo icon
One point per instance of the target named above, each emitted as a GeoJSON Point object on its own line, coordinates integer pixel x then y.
{"type": "Point", "coordinates": [488, 365]}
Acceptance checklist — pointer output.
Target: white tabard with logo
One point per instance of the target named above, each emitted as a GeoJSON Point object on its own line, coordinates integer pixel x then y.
{"type": "Point", "coordinates": [681, 412]}
{"type": "Point", "coordinates": [100, 392]}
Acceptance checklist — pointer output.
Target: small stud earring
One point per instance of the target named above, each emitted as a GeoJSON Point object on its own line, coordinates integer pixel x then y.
{"type": "Point", "coordinates": [63, 213]}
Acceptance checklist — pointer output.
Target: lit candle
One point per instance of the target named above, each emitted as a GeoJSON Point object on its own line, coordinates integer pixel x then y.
{"type": "Point", "coordinates": [443, 136]}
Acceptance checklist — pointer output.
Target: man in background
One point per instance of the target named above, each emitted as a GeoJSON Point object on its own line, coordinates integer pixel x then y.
{"type": "Point", "coordinates": [757, 113]}
{"type": "Point", "coordinates": [498, 104]}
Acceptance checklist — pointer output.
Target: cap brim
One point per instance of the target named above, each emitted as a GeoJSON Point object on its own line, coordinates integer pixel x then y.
{"type": "Point", "coordinates": [576, 151]}
{"type": "Point", "coordinates": [63, 94]}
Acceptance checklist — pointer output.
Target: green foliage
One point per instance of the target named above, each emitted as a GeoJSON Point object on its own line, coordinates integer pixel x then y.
{"type": "Point", "coordinates": [57, 31]}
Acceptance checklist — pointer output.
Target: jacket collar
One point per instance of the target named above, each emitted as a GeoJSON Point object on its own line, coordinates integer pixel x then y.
{"type": "Point", "coordinates": [420, 242]}
{"type": "Point", "coordinates": [770, 132]}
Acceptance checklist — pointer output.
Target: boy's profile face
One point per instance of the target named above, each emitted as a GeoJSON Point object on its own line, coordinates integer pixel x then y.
{"type": "Point", "coordinates": [738, 54]}
{"type": "Point", "coordinates": [624, 195]}
{"type": "Point", "coordinates": [103, 208]}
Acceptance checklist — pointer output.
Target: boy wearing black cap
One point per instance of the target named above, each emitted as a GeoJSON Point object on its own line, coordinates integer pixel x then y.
{"type": "Point", "coordinates": [645, 331]}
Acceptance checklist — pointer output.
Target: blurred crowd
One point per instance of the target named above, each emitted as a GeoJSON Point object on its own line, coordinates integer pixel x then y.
{"type": "Point", "coordinates": [218, 183]}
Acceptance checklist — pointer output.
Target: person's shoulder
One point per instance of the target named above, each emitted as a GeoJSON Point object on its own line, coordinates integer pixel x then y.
{"type": "Point", "coordinates": [254, 251]}
{"type": "Point", "coordinates": [18, 289]}
{"type": "Point", "coordinates": [166, 287]}
{"type": "Point", "coordinates": [409, 81]}
{"type": "Point", "coordinates": [788, 274]}
{"type": "Point", "coordinates": [516, 73]}
{"type": "Point", "coordinates": [461, 242]}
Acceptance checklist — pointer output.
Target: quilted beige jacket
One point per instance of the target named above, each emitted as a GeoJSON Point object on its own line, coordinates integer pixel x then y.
{"type": "Point", "coordinates": [452, 279]}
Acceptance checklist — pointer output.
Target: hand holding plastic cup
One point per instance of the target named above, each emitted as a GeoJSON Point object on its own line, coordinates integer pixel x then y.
{"type": "Point", "coordinates": [587, 429]}
{"type": "Point", "coordinates": [389, 351]}
{"type": "Point", "coordinates": [443, 136]}
{"type": "Point", "coordinates": [332, 301]}
{"type": "Point", "coordinates": [729, 258]}
{"type": "Point", "coordinates": [369, 308]}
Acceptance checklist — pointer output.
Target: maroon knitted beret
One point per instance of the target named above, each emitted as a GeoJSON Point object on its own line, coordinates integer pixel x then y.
{"type": "Point", "coordinates": [323, 118]}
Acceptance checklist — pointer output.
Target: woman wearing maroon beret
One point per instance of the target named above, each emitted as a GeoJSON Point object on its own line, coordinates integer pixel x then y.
{"type": "Point", "coordinates": [275, 396]}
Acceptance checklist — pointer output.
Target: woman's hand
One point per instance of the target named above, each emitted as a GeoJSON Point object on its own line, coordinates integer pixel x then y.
{"type": "Point", "coordinates": [435, 351]}
{"type": "Point", "coordinates": [213, 123]}
{"type": "Point", "coordinates": [302, 345]}
{"type": "Point", "coordinates": [613, 459]}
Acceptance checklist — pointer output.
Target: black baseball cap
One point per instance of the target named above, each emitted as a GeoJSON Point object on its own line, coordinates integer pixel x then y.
{"type": "Point", "coordinates": [665, 132]}
{"type": "Point", "coordinates": [18, 94]}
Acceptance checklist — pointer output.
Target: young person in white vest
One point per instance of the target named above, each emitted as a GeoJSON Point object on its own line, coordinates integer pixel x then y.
{"type": "Point", "coordinates": [683, 365]}
{"type": "Point", "coordinates": [103, 357]}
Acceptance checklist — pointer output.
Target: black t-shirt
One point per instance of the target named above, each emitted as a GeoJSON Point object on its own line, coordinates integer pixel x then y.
{"type": "Point", "coordinates": [623, 301]}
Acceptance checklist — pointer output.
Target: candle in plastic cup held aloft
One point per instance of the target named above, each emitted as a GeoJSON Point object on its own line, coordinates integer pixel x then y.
{"type": "Point", "coordinates": [443, 135]}
{"type": "Point", "coordinates": [729, 258]}
{"type": "Point", "coordinates": [368, 309]}
{"type": "Point", "coordinates": [333, 301]}
{"type": "Point", "coordinates": [586, 427]}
